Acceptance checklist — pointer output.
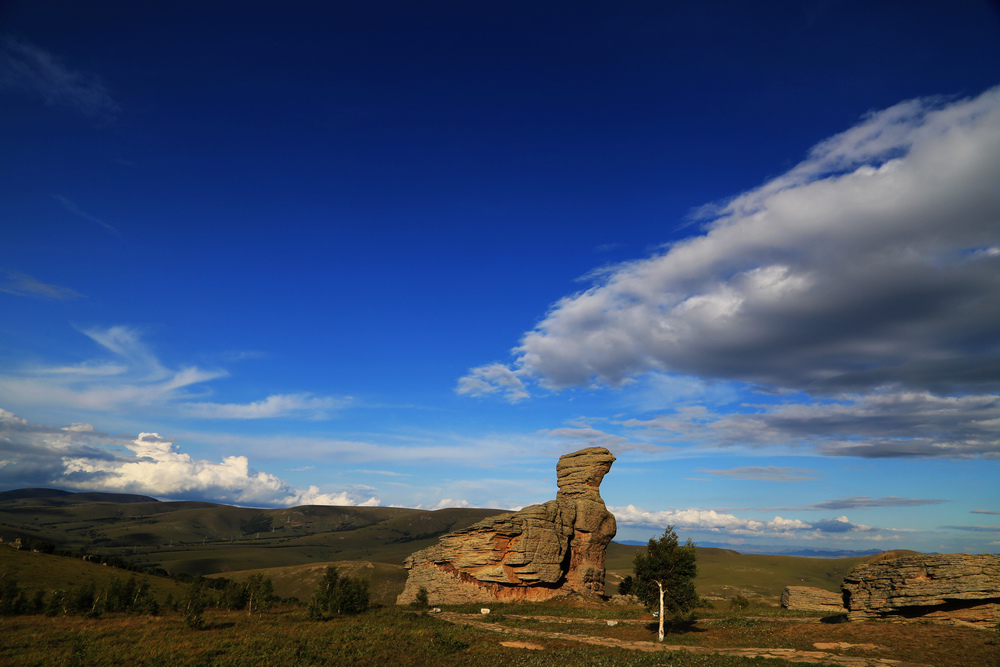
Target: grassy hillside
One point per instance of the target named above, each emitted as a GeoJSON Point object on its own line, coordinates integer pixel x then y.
{"type": "Point", "coordinates": [293, 545]}
{"type": "Point", "coordinates": [385, 581]}
{"type": "Point", "coordinates": [724, 573]}
{"type": "Point", "coordinates": [35, 571]}
{"type": "Point", "coordinates": [205, 538]}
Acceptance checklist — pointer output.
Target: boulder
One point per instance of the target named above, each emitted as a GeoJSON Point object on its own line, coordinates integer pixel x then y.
{"type": "Point", "coordinates": [540, 552]}
{"type": "Point", "coordinates": [956, 588]}
{"type": "Point", "coordinates": [807, 598]}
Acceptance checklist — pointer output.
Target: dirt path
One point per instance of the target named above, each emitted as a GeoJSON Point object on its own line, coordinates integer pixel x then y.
{"type": "Point", "coordinates": [813, 657]}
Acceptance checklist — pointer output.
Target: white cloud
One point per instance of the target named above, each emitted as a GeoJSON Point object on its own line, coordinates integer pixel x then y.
{"type": "Point", "coordinates": [720, 522]}
{"type": "Point", "coordinates": [277, 405]}
{"type": "Point", "coordinates": [704, 519]}
{"type": "Point", "coordinates": [490, 379]}
{"type": "Point", "coordinates": [28, 68]}
{"type": "Point", "coordinates": [81, 457]}
{"type": "Point", "coordinates": [135, 379]}
{"type": "Point", "coordinates": [869, 264]}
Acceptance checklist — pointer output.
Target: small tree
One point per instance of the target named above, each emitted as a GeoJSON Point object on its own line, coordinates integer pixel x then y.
{"type": "Point", "coordinates": [337, 594]}
{"type": "Point", "coordinates": [665, 574]}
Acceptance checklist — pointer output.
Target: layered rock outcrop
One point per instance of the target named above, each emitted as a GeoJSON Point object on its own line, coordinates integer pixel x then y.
{"type": "Point", "coordinates": [540, 552]}
{"type": "Point", "coordinates": [808, 598]}
{"type": "Point", "coordinates": [951, 587]}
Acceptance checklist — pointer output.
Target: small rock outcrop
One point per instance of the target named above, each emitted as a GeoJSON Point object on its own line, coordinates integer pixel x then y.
{"type": "Point", "coordinates": [957, 588]}
{"type": "Point", "coordinates": [807, 598]}
{"type": "Point", "coordinates": [540, 552]}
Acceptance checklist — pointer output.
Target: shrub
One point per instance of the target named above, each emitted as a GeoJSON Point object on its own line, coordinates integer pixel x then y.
{"type": "Point", "coordinates": [738, 603]}
{"type": "Point", "coordinates": [421, 601]}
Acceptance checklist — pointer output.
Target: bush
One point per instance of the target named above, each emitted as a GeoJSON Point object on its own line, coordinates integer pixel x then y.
{"type": "Point", "coordinates": [421, 601]}
{"type": "Point", "coordinates": [738, 603]}
{"type": "Point", "coordinates": [626, 586]}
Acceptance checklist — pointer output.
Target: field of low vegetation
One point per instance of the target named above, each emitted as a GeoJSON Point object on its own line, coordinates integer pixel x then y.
{"type": "Point", "coordinates": [97, 604]}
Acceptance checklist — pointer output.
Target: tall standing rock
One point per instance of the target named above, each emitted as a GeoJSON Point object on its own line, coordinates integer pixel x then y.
{"type": "Point", "coordinates": [535, 554]}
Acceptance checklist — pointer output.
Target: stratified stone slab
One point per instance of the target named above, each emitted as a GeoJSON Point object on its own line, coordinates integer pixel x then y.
{"type": "Point", "coordinates": [949, 587]}
{"type": "Point", "coordinates": [808, 598]}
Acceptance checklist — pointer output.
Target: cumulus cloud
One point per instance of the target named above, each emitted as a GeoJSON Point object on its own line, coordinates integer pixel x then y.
{"type": "Point", "coordinates": [721, 522]}
{"type": "Point", "coordinates": [21, 284]}
{"type": "Point", "coordinates": [81, 457]}
{"type": "Point", "coordinates": [873, 263]}
{"type": "Point", "coordinates": [764, 473]}
{"type": "Point", "coordinates": [29, 69]}
{"type": "Point", "coordinates": [135, 378]}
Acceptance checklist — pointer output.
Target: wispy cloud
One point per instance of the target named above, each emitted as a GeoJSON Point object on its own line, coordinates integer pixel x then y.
{"type": "Point", "coordinates": [764, 473]}
{"type": "Point", "coordinates": [29, 69]}
{"type": "Point", "coordinates": [993, 512]}
{"type": "Point", "coordinates": [586, 436]}
{"type": "Point", "coordinates": [885, 424]}
{"type": "Point", "coordinates": [21, 284]}
{"type": "Point", "coordinates": [277, 405]}
{"type": "Point", "coordinates": [75, 210]}
{"type": "Point", "coordinates": [134, 378]}
{"type": "Point", "coordinates": [864, 502]}
{"type": "Point", "coordinates": [975, 529]}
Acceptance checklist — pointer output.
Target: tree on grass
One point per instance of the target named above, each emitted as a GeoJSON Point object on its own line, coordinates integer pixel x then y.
{"type": "Point", "coordinates": [665, 575]}
{"type": "Point", "coordinates": [338, 594]}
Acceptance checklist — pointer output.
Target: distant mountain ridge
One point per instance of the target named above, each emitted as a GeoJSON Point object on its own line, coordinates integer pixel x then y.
{"type": "Point", "coordinates": [72, 496]}
{"type": "Point", "coordinates": [765, 550]}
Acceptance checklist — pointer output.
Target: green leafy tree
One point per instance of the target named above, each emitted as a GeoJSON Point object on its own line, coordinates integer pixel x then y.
{"type": "Point", "coordinates": [664, 576]}
{"type": "Point", "coordinates": [194, 605]}
{"type": "Point", "coordinates": [259, 594]}
{"type": "Point", "coordinates": [338, 594]}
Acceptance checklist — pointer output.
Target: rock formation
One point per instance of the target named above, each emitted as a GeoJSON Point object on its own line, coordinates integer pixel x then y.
{"type": "Point", "coordinates": [807, 598]}
{"type": "Point", "coordinates": [950, 587]}
{"type": "Point", "coordinates": [542, 551]}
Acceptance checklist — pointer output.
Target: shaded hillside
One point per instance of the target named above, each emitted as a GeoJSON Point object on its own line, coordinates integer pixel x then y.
{"type": "Point", "coordinates": [36, 571]}
{"type": "Point", "coordinates": [204, 538]}
{"type": "Point", "coordinates": [385, 581]}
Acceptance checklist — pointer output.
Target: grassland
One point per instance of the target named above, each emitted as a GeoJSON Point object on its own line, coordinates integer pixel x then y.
{"type": "Point", "coordinates": [562, 636]}
{"type": "Point", "coordinates": [292, 547]}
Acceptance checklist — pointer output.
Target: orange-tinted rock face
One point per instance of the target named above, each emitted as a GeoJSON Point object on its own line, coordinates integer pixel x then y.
{"type": "Point", "coordinates": [538, 553]}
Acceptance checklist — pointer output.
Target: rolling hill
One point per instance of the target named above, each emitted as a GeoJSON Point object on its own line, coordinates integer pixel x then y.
{"type": "Point", "coordinates": [294, 545]}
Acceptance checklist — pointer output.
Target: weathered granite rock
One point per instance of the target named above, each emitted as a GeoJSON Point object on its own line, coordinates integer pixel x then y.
{"type": "Point", "coordinates": [807, 598]}
{"type": "Point", "coordinates": [542, 551]}
{"type": "Point", "coordinates": [957, 588]}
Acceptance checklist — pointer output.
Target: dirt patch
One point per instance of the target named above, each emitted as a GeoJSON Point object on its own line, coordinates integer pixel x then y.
{"type": "Point", "coordinates": [862, 644]}
{"type": "Point", "coordinates": [527, 645]}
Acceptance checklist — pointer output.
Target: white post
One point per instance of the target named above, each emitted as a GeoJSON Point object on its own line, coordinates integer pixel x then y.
{"type": "Point", "coordinates": [661, 609]}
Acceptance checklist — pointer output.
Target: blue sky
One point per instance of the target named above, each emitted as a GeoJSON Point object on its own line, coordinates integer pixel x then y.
{"type": "Point", "coordinates": [411, 253]}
